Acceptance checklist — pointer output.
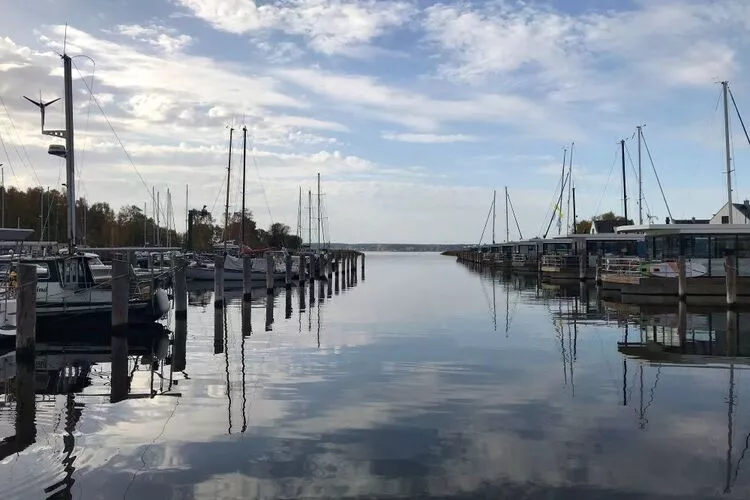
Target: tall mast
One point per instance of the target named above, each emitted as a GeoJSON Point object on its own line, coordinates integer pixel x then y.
{"type": "Point", "coordinates": [187, 214]}
{"type": "Point", "coordinates": [494, 200]}
{"type": "Point", "coordinates": [169, 217]}
{"type": "Point", "coordinates": [575, 229]}
{"type": "Point", "coordinates": [244, 155]}
{"type": "Point", "coordinates": [145, 226]}
{"type": "Point", "coordinates": [3, 188]}
{"type": "Point", "coordinates": [70, 169]}
{"type": "Point", "coordinates": [562, 190]}
{"type": "Point", "coordinates": [725, 87]}
{"type": "Point", "coordinates": [624, 185]}
{"type": "Point", "coordinates": [229, 179]}
{"type": "Point", "coordinates": [640, 179]}
{"type": "Point", "coordinates": [309, 218]}
{"type": "Point", "coordinates": [299, 214]}
{"type": "Point", "coordinates": [507, 227]}
{"type": "Point", "coordinates": [570, 188]}
{"type": "Point", "coordinates": [158, 219]}
{"type": "Point", "coordinates": [318, 210]}
{"type": "Point", "coordinates": [153, 212]}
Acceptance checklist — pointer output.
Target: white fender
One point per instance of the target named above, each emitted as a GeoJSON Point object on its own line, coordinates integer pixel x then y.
{"type": "Point", "coordinates": [161, 301]}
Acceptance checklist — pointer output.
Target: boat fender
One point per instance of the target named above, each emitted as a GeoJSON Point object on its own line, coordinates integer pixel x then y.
{"type": "Point", "coordinates": [161, 300]}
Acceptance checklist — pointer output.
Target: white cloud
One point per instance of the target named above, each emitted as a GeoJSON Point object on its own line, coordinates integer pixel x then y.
{"type": "Point", "coordinates": [588, 57]}
{"type": "Point", "coordinates": [330, 26]}
{"type": "Point", "coordinates": [430, 138]}
{"type": "Point", "coordinates": [165, 39]}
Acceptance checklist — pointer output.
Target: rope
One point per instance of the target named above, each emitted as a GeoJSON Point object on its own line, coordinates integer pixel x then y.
{"type": "Point", "coordinates": [658, 181]}
{"type": "Point", "coordinates": [606, 184]}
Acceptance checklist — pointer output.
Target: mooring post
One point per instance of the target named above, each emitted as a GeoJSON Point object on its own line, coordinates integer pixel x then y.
{"type": "Point", "coordinates": [730, 266]}
{"type": "Point", "coordinates": [269, 311]}
{"type": "Point", "coordinates": [329, 266]}
{"type": "Point", "coordinates": [336, 272]}
{"type": "Point", "coordinates": [682, 322]}
{"type": "Point", "coordinates": [180, 288]}
{"type": "Point", "coordinates": [302, 297]}
{"type": "Point", "coordinates": [118, 379]}
{"type": "Point", "coordinates": [598, 269]}
{"type": "Point", "coordinates": [151, 267]}
{"type": "Point", "coordinates": [344, 265]}
{"type": "Point", "coordinates": [302, 269]}
{"type": "Point", "coordinates": [270, 268]}
{"type": "Point", "coordinates": [218, 281]}
{"type": "Point", "coordinates": [120, 294]}
{"type": "Point", "coordinates": [681, 277]}
{"type": "Point", "coordinates": [312, 293]}
{"type": "Point", "coordinates": [354, 268]}
{"type": "Point", "coordinates": [321, 291]}
{"type": "Point", "coordinates": [288, 303]}
{"type": "Point", "coordinates": [247, 278]}
{"type": "Point", "coordinates": [582, 261]}
{"type": "Point", "coordinates": [25, 353]}
{"type": "Point", "coordinates": [363, 266]}
{"type": "Point", "coordinates": [179, 348]}
{"type": "Point", "coordinates": [247, 324]}
{"type": "Point", "coordinates": [288, 277]}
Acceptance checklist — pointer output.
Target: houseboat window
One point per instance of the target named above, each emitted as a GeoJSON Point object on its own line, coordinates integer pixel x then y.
{"type": "Point", "coordinates": [743, 246]}
{"type": "Point", "coordinates": [720, 244]}
{"type": "Point", "coordinates": [658, 246]}
{"type": "Point", "coordinates": [696, 247]}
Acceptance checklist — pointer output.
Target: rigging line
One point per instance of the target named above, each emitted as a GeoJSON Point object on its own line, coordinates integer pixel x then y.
{"type": "Point", "coordinates": [260, 181]}
{"type": "Point", "coordinates": [635, 173]}
{"type": "Point", "coordinates": [737, 110]}
{"type": "Point", "coordinates": [606, 184]}
{"type": "Point", "coordinates": [513, 211]}
{"type": "Point", "coordinates": [28, 164]}
{"type": "Point", "coordinates": [552, 205]}
{"type": "Point", "coordinates": [658, 181]}
{"type": "Point", "coordinates": [487, 220]}
{"type": "Point", "coordinates": [119, 141]}
{"type": "Point", "coordinates": [79, 164]}
{"type": "Point", "coordinates": [10, 162]}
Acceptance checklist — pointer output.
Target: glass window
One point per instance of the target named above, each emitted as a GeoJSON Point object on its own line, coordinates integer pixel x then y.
{"type": "Point", "coordinates": [73, 272]}
{"type": "Point", "coordinates": [698, 247]}
{"type": "Point", "coordinates": [743, 246]}
{"type": "Point", "coordinates": [725, 219]}
{"type": "Point", "coordinates": [721, 244]}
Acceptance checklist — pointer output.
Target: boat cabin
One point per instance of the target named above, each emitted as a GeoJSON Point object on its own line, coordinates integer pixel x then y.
{"type": "Point", "coordinates": [704, 244]}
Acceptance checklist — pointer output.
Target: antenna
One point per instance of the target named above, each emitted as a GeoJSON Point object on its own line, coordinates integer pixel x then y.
{"type": "Point", "coordinates": [42, 107]}
{"type": "Point", "coordinates": [65, 38]}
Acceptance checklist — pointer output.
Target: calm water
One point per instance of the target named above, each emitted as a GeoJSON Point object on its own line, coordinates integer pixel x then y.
{"type": "Point", "coordinates": [427, 380]}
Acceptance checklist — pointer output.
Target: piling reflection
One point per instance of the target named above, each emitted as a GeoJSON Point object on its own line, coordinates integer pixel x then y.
{"type": "Point", "coordinates": [179, 348]}
{"type": "Point", "coordinates": [269, 311]}
{"type": "Point", "coordinates": [120, 383]}
{"type": "Point", "coordinates": [288, 303]}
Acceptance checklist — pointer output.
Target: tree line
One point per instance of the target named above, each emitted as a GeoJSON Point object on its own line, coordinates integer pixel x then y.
{"type": "Point", "coordinates": [99, 225]}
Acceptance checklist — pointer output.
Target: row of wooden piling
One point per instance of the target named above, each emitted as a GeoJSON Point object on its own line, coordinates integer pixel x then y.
{"type": "Point", "coordinates": [312, 267]}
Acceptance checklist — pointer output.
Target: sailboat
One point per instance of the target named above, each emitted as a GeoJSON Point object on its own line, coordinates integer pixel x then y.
{"type": "Point", "coordinates": [68, 295]}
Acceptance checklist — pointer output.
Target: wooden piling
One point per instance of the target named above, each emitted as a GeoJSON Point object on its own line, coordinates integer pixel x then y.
{"type": "Point", "coordinates": [598, 269]}
{"type": "Point", "coordinates": [219, 281]}
{"type": "Point", "coordinates": [363, 266]}
{"type": "Point", "coordinates": [336, 272]}
{"type": "Point", "coordinates": [179, 347]}
{"type": "Point", "coordinates": [582, 266]}
{"type": "Point", "coordinates": [120, 295]}
{"type": "Point", "coordinates": [288, 303]}
{"type": "Point", "coordinates": [354, 268]}
{"type": "Point", "coordinates": [682, 322]}
{"type": "Point", "coordinates": [302, 297]}
{"type": "Point", "coordinates": [681, 277]}
{"type": "Point", "coordinates": [329, 266]}
{"type": "Point", "coordinates": [180, 288]}
{"type": "Point", "coordinates": [302, 269]}
{"type": "Point", "coordinates": [119, 380]}
{"type": "Point", "coordinates": [270, 268]}
{"type": "Point", "coordinates": [269, 311]}
{"type": "Point", "coordinates": [288, 276]}
{"type": "Point", "coordinates": [25, 353]}
{"type": "Point", "coordinates": [730, 266]}
{"type": "Point", "coordinates": [321, 291]}
{"type": "Point", "coordinates": [247, 278]}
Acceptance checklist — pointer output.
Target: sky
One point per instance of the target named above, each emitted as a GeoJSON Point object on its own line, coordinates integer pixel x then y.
{"type": "Point", "coordinates": [412, 111]}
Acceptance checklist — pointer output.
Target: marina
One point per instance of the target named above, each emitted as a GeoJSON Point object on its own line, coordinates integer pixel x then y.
{"type": "Point", "coordinates": [254, 397]}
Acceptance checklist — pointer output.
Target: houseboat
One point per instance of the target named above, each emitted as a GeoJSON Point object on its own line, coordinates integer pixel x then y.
{"type": "Point", "coordinates": [561, 257]}
{"type": "Point", "coordinates": [526, 255]}
{"type": "Point", "coordinates": [653, 277]}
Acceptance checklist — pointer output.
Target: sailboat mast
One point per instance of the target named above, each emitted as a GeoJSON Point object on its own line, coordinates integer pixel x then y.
{"type": "Point", "coordinates": [562, 190]}
{"type": "Point", "coordinates": [494, 202]}
{"type": "Point", "coordinates": [318, 210]}
{"type": "Point", "coordinates": [2, 174]}
{"type": "Point", "coordinates": [624, 185]}
{"type": "Point", "coordinates": [70, 152]}
{"type": "Point", "coordinates": [309, 218]}
{"type": "Point", "coordinates": [158, 220]}
{"type": "Point", "coordinates": [570, 188]}
{"type": "Point", "coordinates": [575, 229]}
{"type": "Point", "coordinates": [725, 88]}
{"type": "Point", "coordinates": [229, 179]}
{"type": "Point", "coordinates": [244, 157]}
{"type": "Point", "coordinates": [640, 179]}
{"type": "Point", "coordinates": [507, 225]}
{"type": "Point", "coordinates": [299, 214]}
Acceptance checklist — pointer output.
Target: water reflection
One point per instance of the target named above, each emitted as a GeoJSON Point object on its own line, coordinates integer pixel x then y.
{"type": "Point", "coordinates": [493, 387]}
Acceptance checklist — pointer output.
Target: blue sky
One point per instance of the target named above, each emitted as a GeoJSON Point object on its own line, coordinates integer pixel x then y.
{"type": "Point", "coordinates": [412, 111]}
